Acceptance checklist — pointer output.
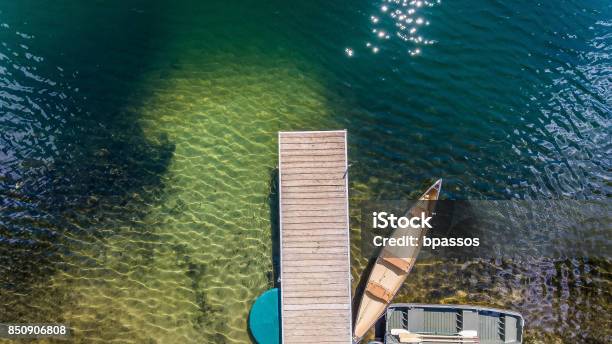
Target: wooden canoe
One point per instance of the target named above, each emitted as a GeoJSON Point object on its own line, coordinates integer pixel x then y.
{"type": "Point", "coordinates": [391, 268]}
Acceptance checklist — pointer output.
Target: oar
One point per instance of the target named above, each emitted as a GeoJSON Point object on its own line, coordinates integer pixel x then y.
{"type": "Point", "coordinates": [447, 336]}
{"type": "Point", "coordinates": [423, 338]}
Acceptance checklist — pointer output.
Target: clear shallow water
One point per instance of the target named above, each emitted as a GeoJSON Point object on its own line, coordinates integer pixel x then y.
{"type": "Point", "coordinates": [138, 144]}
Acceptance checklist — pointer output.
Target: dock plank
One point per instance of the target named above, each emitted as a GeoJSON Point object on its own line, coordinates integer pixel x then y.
{"type": "Point", "coordinates": [328, 213]}
{"type": "Point", "coordinates": [315, 252]}
{"type": "Point", "coordinates": [297, 242]}
{"type": "Point", "coordinates": [330, 332]}
{"type": "Point", "coordinates": [300, 174]}
{"type": "Point", "coordinates": [312, 182]}
{"type": "Point", "coordinates": [314, 219]}
{"type": "Point", "coordinates": [318, 263]}
{"type": "Point", "coordinates": [320, 196]}
{"type": "Point", "coordinates": [316, 306]}
{"type": "Point", "coordinates": [320, 243]}
{"type": "Point", "coordinates": [317, 257]}
{"type": "Point", "coordinates": [322, 144]}
{"type": "Point", "coordinates": [313, 158]}
{"type": "Point", "coordinates": [289, 171]}
{"type": "Point", "coordinates": [288, 250]}
{"type": "Point", "coordinates": [288, 135]}
{"type": "Point", "coordinates": [310, 207]}
{"type": "Point", "coordinates": [314, 293]}
{"type": "Point", "coordinates": [301, 222]}
{"type": "Point", "coordinates": [331, 165]}
{"type": "Point", "coordinates": [305, 233]}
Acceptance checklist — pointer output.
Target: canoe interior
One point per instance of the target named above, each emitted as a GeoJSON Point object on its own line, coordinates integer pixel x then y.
{"type": "Point", "coordinates": [494, 326]}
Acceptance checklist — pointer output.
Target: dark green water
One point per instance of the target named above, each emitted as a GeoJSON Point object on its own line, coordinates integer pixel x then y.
{"type": "Point", "coordinates": [138, 144]}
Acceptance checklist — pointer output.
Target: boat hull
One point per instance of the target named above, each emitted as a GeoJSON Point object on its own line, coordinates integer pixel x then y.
{"type": "Point", "coordinates": [390, 276]}
{"type": "Point", "coordinates": [456, 323]}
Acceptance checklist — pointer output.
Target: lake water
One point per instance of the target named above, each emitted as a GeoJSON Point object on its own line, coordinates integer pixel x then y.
{"type": "Point", "coordinates": [138, 148]}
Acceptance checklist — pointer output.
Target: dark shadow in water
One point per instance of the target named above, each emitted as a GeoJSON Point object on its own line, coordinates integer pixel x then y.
{"type": "Point", "coordinates": [92, 170]}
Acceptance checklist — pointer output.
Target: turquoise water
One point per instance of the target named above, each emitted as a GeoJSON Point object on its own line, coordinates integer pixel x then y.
{"type": "Point", "coordinates": [138, 147]}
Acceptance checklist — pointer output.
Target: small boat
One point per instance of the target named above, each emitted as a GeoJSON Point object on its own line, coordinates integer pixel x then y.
{"type": "Point", "coordinates": [392, 267]}
{"type": "Point", "coordinates": [423, 323]}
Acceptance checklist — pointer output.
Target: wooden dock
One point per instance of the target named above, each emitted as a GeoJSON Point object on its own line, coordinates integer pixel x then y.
{"type": "Point", "coordinates": [314, 236]}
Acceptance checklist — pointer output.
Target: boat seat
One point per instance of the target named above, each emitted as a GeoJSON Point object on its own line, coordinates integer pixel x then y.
{"type": "Point", "coordinates": [399, 263]}
{"type": "Point", "coordinates": [379, 291]}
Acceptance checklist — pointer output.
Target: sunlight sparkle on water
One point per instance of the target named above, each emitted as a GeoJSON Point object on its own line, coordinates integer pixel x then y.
{"type": "Point", "coordinates": [392, 20]}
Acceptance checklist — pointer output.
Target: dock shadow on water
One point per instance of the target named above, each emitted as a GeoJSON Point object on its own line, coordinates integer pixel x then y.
{"type": "Point", "coordinates": [274, 202]}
